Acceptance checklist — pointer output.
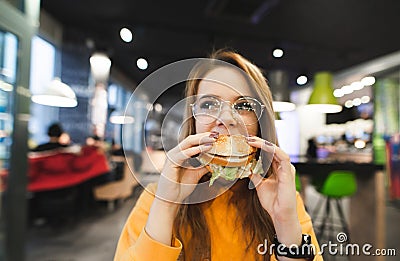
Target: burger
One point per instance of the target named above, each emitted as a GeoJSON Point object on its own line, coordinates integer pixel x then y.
{"type": "Point", "coordinates": [231, 157]}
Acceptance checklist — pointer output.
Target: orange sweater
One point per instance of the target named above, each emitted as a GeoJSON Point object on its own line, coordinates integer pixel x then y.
{"type": "Point", "coordinates": [135, 244]}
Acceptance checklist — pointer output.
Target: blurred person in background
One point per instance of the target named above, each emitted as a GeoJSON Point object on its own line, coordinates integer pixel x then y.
{"type": "Point", "coordinates": [311, 149]}
{"type": "Point", "coordinates": [65, 139]}
{"type": "Point", "coordinates": [54, 132]}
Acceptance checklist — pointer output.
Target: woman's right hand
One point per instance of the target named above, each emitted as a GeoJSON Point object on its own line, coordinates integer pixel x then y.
{"type": "Point", "coordinates": [177, 182]}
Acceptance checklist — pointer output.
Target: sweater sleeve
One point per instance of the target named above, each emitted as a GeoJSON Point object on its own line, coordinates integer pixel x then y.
{"type": "Point", "coordinates": [135, 244]}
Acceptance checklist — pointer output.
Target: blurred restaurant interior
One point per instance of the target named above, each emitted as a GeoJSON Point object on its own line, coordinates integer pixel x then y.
{"type": "Point", "coordinates": [333, 68]}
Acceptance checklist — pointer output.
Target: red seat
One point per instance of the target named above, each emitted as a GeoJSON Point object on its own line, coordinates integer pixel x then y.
{"type": "Point", "coordinates": [65, 167]}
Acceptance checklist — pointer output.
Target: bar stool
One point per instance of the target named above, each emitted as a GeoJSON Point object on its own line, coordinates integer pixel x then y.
{"type": "Point", "coordinates": [338, 185]}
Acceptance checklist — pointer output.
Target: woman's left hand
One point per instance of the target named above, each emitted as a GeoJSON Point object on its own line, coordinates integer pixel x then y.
{"type": "Point", "coordinates": [277, 193]}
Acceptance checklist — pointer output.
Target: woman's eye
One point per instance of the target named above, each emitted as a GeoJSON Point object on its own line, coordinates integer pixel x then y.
{"type": "Point", "coordinates": [208, 105]}
{"type": "Point", "coordinates": [244, 106]}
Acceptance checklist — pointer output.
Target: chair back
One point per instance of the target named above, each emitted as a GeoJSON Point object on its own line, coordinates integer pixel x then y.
{"type": "Point", "coordinates": [340, 183]}
{"type": "Point", "coordinates": [298, 182]}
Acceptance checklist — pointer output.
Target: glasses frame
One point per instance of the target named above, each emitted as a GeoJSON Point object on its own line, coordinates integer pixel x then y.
{"type": "Point", "coordinates": [232, 105]}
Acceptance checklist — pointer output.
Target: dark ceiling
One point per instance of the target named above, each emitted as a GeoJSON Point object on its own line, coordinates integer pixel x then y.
{"type": "Point", "coordinates": [315, 34]}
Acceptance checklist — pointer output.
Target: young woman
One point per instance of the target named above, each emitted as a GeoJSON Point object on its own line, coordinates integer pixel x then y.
{"type": "Point", "coordinates": [181, 219]}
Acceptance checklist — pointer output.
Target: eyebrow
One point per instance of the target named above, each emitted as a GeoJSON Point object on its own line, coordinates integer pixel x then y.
{"type": "Point", "coordinates": [219, 97]}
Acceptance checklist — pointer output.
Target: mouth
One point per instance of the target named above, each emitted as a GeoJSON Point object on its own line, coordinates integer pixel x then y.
{"type": "Point", "coordinates": [224, 131]}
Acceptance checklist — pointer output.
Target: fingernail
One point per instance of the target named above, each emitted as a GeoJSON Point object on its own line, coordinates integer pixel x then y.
{"type": "Point", "coordinates": [268, 143]}
{"type": "Point", "coordinates": [214, 135]}
{"type": "Point", "coordinates": [250, 139]}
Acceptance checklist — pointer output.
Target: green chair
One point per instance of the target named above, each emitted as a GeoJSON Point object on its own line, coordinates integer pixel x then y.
{"type": "Point", "coordinates": [338, 185]}
{"type": "Point", "coordinates": [298, 182]}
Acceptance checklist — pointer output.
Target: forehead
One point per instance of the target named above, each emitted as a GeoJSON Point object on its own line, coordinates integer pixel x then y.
{"type": "Point", "coordinates": [225, 82]}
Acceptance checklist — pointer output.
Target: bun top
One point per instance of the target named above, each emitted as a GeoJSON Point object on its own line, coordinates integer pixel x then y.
{"type": "Point", "coordinates": [231, 145]}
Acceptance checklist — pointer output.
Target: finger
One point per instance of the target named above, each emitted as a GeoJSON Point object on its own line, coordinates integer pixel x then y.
{"type": "Point", "coordinates": [194, 140]}
{"type": "Point", "coordinates": [281, 161]}
{"type": "Point", "coordinates": [283, 175]}
{"type": "Point", "coordinates": [261, 144]}
{"type": "Point", "coordinates": [200, 172]}
{"type": "Point", "coordinates": [197, 139]}
{"type": "Point", "coordinates": [275, 164]}
{"type": "Point", "coordinates": [280, 155]}
{"type": "Point", "coordinates": [179, 157]}
{"type": "Point", "coordinates": [267, 151]}
{"type": "Point", "coordinates": [284, 160]}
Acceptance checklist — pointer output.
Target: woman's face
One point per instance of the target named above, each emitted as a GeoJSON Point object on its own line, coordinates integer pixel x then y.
{"type": "Point", "coordinates": [227, 85]}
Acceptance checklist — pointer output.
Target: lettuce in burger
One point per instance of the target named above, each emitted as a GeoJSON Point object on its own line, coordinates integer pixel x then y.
{"type": "Point", "coordinates": [231, 157]}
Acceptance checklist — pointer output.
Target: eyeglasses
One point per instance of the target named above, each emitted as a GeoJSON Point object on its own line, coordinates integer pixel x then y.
{"type": "Point", "coordinates": [245, 109]}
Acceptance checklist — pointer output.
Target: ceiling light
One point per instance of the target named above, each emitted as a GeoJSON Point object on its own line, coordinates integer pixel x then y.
{"type": "Point", "coordinates": [142, 64]}
{"type": "Point", "coordinates": [278, 82]}
{"type": "Point", "coordinates": [367, 81]}
{"type": "Point", "coordinates": [359, 144]}
{"type": "Point", "coordinates": [56, 94]}
{"type": "Point", "coordinates": [278, 117]}
{"type": "Point", "coordinates": [118, 117]}
{"type": "Point", "coordinates": [279, 106]}
{"type": "Point", "coordinates": [338, 93]}
{"type": "Point", "coordinates": [356, 101]}
{"type": "Point", "coordinates": [347, 89]}
{"type": "Point", "coordinates": [301, 80]}
{"type": "Point", "coordinates": [365, 99]}
{"type": "Point", "coordinates": [321, 98]}
{"type": "Point", "coordinates": [126, 35]}
{"type": "Point", "coordinates": [149, 106]}
{"type": "Point", "coordinates": [348, 104]}
{"type": "Point", "coordinates": [158, 107]}
{"type": "Point", "coordinates": [6, 86]}
{"type": "Point", "coordinates": [356, 86]}
{"type": "Point", "coordinates": [277, 53]}
{"type": "Point", "coordinates": [100, 65]}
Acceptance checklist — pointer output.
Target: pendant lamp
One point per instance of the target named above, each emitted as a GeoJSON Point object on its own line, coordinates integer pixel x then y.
{"type": "Point", "coordinates": [56, 94]}
{"type": "Point", "coordinates": [118, 117]}
{"type": "Point", "coordinates": [278, 82]}
{"type": "Point", "coordinates": [322, 98]}
{"type": "Point", "coordinates": [277, 116]}
{"type": "Point", "coordinates": [100, 65]}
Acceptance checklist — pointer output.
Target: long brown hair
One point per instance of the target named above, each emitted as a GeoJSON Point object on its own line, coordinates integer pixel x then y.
{"type": "Point", "coordinates": [254, 220]}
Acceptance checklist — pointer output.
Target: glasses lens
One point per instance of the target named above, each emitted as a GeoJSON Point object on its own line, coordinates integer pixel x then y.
{"type": "Point", "coordinates": [249, 109]}
{"type": "Point", "coordinates": [206, 109]}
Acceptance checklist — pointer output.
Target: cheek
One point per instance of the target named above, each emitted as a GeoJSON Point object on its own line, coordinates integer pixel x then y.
{"type": "Point", "coordinates": [200, 128]}
{"type": "Point", "coordinates": [252, 129]}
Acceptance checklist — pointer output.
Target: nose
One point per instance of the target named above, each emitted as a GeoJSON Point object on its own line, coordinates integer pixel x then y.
{"type": "Point", "coordinates": [226, 115]}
